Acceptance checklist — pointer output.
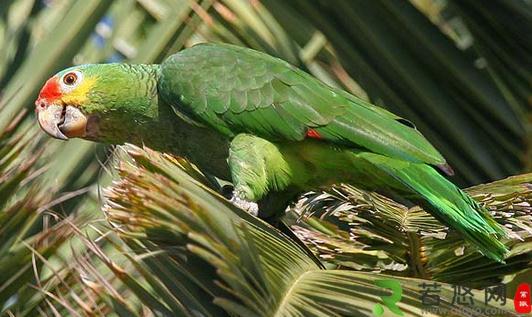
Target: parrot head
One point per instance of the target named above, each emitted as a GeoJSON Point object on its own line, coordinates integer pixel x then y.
{"type": "Point", "coordinates": [59, 105]}
{"type": "Point", "coordinates": [96, 101]}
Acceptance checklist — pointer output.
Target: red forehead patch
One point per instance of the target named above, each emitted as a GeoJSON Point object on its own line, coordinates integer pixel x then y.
{"type": "Point", "coordinates": [50, 89]}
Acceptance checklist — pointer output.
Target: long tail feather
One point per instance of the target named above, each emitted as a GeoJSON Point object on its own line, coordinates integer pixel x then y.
{"type": "Point", "coordinates": [444, 201]}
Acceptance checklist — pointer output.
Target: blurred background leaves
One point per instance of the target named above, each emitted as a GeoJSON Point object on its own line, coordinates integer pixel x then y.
{"type": "Point", "coordinates": [460, 70]}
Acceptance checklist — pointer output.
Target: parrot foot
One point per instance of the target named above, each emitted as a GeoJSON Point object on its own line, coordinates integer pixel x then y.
{"type": "Point", "coordinates": [248, 206]}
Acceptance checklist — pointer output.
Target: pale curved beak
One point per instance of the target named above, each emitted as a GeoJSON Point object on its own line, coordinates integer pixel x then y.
{"type": "Point", "coordinates": [62, 122]}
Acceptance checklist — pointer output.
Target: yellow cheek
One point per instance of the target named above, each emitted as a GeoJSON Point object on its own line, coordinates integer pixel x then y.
{"type": "Point", "coordinates": [78, 95]}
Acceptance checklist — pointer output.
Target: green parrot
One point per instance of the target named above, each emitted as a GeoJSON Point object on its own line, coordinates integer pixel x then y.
{"type": "Point", "coordinates": [272, 129]}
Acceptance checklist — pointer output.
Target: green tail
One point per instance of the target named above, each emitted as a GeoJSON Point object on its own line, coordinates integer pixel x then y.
{"type": "Point", "coordinates": [445, 201]}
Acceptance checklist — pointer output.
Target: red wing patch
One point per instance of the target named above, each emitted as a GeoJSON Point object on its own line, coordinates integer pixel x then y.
{"type": "Point", "coordinates": [311, 133]}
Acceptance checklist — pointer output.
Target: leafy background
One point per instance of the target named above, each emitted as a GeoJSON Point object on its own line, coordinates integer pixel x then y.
{"type": "Point", "coordinates": [457, 69]}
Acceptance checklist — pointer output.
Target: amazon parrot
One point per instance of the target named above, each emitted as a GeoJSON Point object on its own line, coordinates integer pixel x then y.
{"type": "Point", "coordinates": [272, 129]}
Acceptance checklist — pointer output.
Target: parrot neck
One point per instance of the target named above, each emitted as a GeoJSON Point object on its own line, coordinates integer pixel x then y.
{"type": "Point", "coordinates": [139, 116]}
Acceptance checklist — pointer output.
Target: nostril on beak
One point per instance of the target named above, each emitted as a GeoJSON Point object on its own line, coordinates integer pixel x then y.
{"type": "Point", "coordinates": [40, 105]}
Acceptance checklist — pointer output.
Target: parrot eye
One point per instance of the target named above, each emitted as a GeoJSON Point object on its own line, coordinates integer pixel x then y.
{"type": "Point", "coordinates": [70, 80]}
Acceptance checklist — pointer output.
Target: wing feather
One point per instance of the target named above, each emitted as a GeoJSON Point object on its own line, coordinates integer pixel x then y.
{"type": "Point", "coordinates": [238, 90]}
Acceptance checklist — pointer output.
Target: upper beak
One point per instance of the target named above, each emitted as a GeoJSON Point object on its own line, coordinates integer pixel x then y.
{"type": "Point", "coordinates": [62, 122]}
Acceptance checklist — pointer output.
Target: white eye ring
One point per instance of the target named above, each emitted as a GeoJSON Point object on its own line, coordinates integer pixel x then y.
{"type": "Point", "coordinates": [70, 80]}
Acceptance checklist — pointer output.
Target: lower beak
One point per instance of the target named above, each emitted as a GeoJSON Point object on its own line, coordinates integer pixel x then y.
{"type": "Point", "coordinates": [62, 122]}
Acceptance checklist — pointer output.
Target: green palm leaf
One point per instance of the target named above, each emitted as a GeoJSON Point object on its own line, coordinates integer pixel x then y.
{"type": "Point", "coordinates": [25, 227]}
{"type": "Point", "coordinates": [235, 261]}
{"type": "Point", "coordinates": [366, 231]}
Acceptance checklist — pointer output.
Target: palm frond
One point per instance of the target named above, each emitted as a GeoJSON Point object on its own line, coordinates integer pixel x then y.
{"type": "Point", "coordinates": [366, 231]}
{"type": "Point", "coordinates": [200, 245]}
{"type": "Point", "coordinates": [26, 227]}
